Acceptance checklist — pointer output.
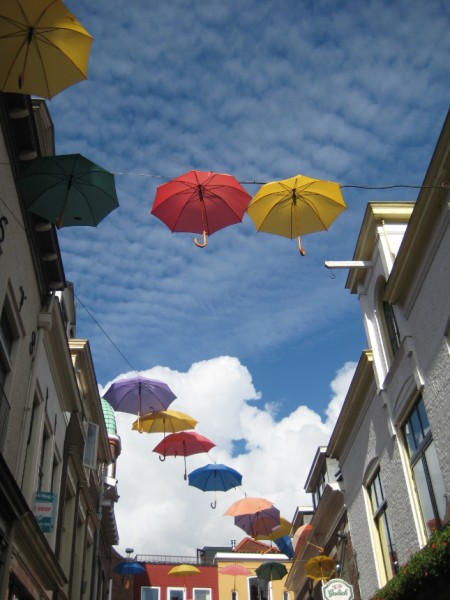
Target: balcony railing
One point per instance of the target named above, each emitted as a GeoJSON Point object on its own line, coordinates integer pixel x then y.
{"type": "Point", "coordinates": [168, 559]}
{"type": "Point", "coordinates": [4, 416]}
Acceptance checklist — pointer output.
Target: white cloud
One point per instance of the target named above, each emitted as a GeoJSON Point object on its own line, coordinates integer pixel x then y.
{"type": "Point", "coordinates": [158, 513]}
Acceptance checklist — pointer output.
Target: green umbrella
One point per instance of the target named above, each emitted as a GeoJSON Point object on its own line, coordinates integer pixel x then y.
{"type": "Point", "coordinates": [68, 190]}
{"type": "Point", "coordinates": [271, 571]}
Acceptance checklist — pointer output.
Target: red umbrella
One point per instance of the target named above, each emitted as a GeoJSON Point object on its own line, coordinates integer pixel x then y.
{"type": "Point", "coordinates": [200, 202]}
{"type": "Point", "coordinates": [184, 443]}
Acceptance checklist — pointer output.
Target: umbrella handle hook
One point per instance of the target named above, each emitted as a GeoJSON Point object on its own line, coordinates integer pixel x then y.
{"type": "Point", "coordinates": [201, 244]}
{"type": "Point", "coordinates": [162, 458]}
{"type": "Point", "coordinates": [300, 249]}
{"type": "Point", "coordinates": [214, 504]}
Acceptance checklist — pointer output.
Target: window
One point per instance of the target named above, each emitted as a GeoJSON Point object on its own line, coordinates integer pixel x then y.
{"type": "Point", "coordinates": [234, 595]}
{"type": "Point", "coordinates": [149, 593]}
{"type": "Point", "coordinates": [381, 520]}
{"type": "Point", "coordinates": [6, 344]}
{"type": "Point", "coordinates": [175, 594]}
{"type": "Point", "coordinates": [425, 468]}
{"type": "Point", "coordinates": [393, 336]}
{"type": "Point", "coordinates": [90, 446]}
{"type": "Point", "coordinates": [201, 594]}
{"type": "Point", "coordinates": [258, 589]}
{"type": "Point", "coordinates": [321, 483]}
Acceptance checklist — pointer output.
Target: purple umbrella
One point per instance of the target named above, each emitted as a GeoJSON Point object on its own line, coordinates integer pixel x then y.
{"type": "Point", "coordinates": [259, 523]}
{"type": "Point", "coordinates": [139, 395]}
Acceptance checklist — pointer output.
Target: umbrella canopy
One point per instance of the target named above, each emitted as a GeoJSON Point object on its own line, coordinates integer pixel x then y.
{"type": "Point", "coordinates": [200, 202]}
{"type": "Point", "coordinates": [260, 523]}
{"type": "Point", "coordinates": [183, 570]}
{"type": "Point", "coordinates": [271, 571]}
{"type": "Point", "coordinates": [183, 443]}
{"type": "Point", "coordinates": [301, 536]}
{"type": "Point", "coordinates": [68, 190]}
{"type": "Point", "coordinates": [44, 48]}
{"type": "Point", "coordinates": [215, 478]}
{"type": "Point", "coordinates": [320, 567]}
{"type": "Point", "coordinates": [139, 395]}
{"type": "Point", "coordinates": [235, 570]}
{"type": "Point", "coordinates": [296, 206]}
{"type": "Point", "coordinates": [248, 505]}
{"type": "Point", "coordinates": [164, 421]}
{"type": "Point", "coordinates": [284, 544]}
{"type": "Point", "coordinates": [284, 528]}
{"type": "Point", "coordinates": [129, 568]}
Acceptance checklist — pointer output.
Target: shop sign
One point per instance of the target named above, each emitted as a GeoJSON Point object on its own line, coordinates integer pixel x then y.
{"type": "Point", "coordinates": [44, 510]}
{"type": "Point", "coordinates": [336, 589]}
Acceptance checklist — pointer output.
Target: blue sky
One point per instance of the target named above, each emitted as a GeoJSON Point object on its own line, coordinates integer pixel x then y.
{"type": "Point", "coordinates": [352, 92]}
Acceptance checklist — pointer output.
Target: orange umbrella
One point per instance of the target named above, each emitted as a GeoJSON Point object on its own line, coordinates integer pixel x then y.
{"type": "Point", "coordinates": [301, 537]}
{"type": "Point", "coordinates": [247, 506]}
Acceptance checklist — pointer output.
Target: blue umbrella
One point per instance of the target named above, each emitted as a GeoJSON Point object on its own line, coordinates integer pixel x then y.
{"type": "Point", "coordinates": [284, 544]}
{"type": "Point", "coordinates": [129, 568]}
{"type": "Point", "coordinates": [215, 478]}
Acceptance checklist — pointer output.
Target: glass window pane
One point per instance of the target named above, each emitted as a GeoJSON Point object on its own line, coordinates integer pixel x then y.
{"type": "Point", "coordinates": [422, 492]}
{"type": "Point", "coordinates": [436, 480]}
{"type": "Point", "coordinates": [423, 417]}
{"type": "Point", "coordinates": [149, 593]}
{"type": "Point", "coordinates": [416, 428]}
{"type": "Point", "coordinates": [200, 594]}
{"type": "Point", "coordinates": [175, 594]}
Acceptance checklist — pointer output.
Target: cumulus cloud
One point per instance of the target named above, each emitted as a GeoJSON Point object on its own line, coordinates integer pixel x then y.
{"type": "Point", "coordinates": [158, 513]}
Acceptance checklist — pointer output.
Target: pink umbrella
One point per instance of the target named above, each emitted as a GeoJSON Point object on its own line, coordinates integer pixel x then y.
{"type": "Point", "coordinates": [183, 443]}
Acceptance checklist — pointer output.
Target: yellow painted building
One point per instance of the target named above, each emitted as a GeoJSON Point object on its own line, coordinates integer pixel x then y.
{"type": "Point", "coordinates": [249, 586]}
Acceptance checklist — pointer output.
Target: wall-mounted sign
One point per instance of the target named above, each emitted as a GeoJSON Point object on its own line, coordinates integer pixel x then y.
{"type": "Point", "coordinates": [337, 588]}
{"type": "Point", "coordinates": [44, 510]}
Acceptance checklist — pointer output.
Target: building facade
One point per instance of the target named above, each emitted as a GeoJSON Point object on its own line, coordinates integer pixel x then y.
{"type": "Point", "coordinates": [388, 487]}
{"type": "Point", "coordinates": [56, 523]}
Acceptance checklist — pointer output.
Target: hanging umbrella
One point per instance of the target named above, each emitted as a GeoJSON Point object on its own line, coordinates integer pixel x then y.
{"type": "Point", "coordinates": [129, 568]}
{"type": "Point", "coordinates": [271, 571]}
{"type": "Point", "coordinates": [235, 570]}
{"type": "Point", "coordinates": [215, 478]}
{"type": "Point", "coordinates": [296, 206]}
{"type": "Point", "coordinates": [200, 202]}
{"type": "Point", "coordinates": [284, 528]}
{"type": "Point", "coordinates": [260, 523]}
{"type": "Point", "coordinates": [320, 567]}
{"type": "Point", "coordinates": [184, 443]}
{"type": "Point", "coordinates": [183, 570]}
{"type": "Point", "coordinates": [247, 505]}
{"type": "Point", "coordinates": [44, 48]}
{"type": "Point", "coordinates": [68, 190]}
{"type": "Point", "coordinates": [139, 395]}
{"type": "Point", "coordinates": [164, 421]}
{"type": "Point", "coordinates": [284, 544]}
{"type": "Point", "coordinates": [301, 536]}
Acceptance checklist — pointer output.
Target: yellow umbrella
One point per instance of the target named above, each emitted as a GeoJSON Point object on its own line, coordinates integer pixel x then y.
{"type": "Point", "coordinates": [320, 567]}
{"type": "Point", "coordinates": [164, 421]}
{"type": "Point", "coordinates": [44, 48]}
{"type": "Point", "coordinates": [296, 206]}
{"type": "Point", "coordinates": [184, 570]}
{"type": "Point", "coordinates": [284, 528]}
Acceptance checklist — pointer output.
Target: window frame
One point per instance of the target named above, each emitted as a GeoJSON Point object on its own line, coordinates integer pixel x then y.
{"type": "Point", "coordinates": [175, 589]}
{"type": "Point", "coordinates": [150, 587]}
{"type": "Point", "coordinates": [418, 443]}
{"type": "Point", "coordinates": [382, 525]}
{"type": "Point", "coordinates": [201, 589]}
